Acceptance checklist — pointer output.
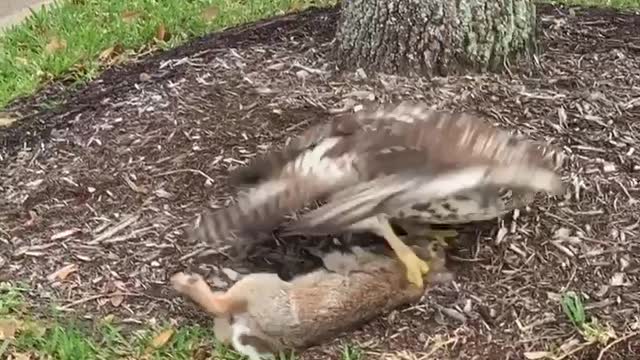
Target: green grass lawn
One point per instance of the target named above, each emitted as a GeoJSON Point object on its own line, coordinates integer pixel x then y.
{"type": "Point", "coordinates": [617, 4]}
{"type": "Point", "coordinates": [74, 40]}
{"type": "Point", "coordinates": [61, 336]}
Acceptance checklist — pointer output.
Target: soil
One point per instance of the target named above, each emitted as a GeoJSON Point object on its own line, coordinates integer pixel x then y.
{"type": "Point", "coordinates": [105, 184]}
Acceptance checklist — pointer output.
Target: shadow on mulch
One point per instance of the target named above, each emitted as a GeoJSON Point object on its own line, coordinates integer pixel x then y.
{"type": "Point", "coordinates": [109, 180]}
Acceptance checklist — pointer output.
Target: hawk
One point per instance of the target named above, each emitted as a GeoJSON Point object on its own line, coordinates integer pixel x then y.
{"type": "Point", "coordinates": [400, 164]}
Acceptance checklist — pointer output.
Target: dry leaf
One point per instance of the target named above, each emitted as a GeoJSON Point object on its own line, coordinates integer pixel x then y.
{"type": "Point", "coordinates": [55, 45]}
{"type": "Point", "coordinates": [231, 274]}
{"type": "Point", "coordinates": [21, 60]}
{"type": "Point", "coordinates": [21, 356]}
{"type": "Point", "coordinates": [112, 54]}
{"type": "Point", "coordinates": [296, 6]}
{"type": "Point", "coordinates": [502, 233]}
{"type": "Point", "coordinates": [8, 328]}
{"type": "Point", "coordinates": [116, 300]}
{"type": "Point", "coordinates": [210, 13]}
{"type": "Point", "coordinates": [130, 16]}
{"type": "Point", "coordinates": [161, 32]}
{"type": "Point", "coordinates": [161, 339]}
{"type": "Point", "coordinates": [535, 355]}
{"type": "Point", "coordinates": [201, 353]}
{"type": "Point", "coordinates": [608, 167]}
{"type": "Point", "coordinates": [6, 121]}
{"type": "Point", "coordinates": [106, 54]}
{"type": "Point", "coordinates": [34, 184]}
{"type": "Point", "coordinates": [162, 193]}
{"type": "Point", "coordinates": [562, 116]}
{"type": "Point", "coordinates": [78, 69]}
{"type": "Point", "coordinates": [217, 282]}
{"type": "Point", "coordinates": [64, 234]}
{"type": "Point", "coordinates": [120, 285]}
{"type": "Point", "coordinates": [37, 329]}
{"type": "Point", "coordinates": [108, 319]}
{"type": "Point", "coordinates": [617, 279]}
{"type": "Point", "coordinates": [63, 272]}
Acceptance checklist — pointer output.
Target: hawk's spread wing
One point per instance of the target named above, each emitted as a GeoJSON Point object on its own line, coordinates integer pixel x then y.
{"type": "Point", "coordinates": [310, 176]}
{"type": "Point", "coordinates": [385, 150]}
{"type": "Point", "coordinates": [272, 163]}
{"type": "Point", "coordinates": [453, 140]}
{"type": "Point", "coordinates": [260, 209]}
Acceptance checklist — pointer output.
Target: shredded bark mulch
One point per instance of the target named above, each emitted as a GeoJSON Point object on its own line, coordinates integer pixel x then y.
{"type": "Point", "coordinates": [97, 193]}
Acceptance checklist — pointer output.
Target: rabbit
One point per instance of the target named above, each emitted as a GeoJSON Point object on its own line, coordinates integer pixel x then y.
{"type": "Point", "coordinates": [261, 315]}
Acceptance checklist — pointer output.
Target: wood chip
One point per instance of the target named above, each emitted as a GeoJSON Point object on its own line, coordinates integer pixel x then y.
{"type": "Point", "coordinates": [231, 274]}
{"type": "Point", "coordinates": [62, 273]}
{"type": "Point", "coordinates": [536, 355]}
{"type": "Point", "coordinates": [617, 279]}
{"type": "Point", "coordinates": [65, 234]}
{"type": "Point", "coordinates": [126, 222]}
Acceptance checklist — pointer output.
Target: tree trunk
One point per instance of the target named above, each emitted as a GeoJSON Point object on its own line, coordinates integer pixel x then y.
{"type": "Point", "coordinates": [434, 37]}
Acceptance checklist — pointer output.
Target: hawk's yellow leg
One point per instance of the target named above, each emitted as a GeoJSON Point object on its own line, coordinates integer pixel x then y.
{"type": "Point", "coordinates": [416, 267]}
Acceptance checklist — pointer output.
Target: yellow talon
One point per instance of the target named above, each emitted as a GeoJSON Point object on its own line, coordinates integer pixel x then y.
{"type": "Point", "coordinates": [416, 267]}
{"type": "Point", "coordinates": [440, 236]}
{"type": "Point", "coordinates": [415, 231]}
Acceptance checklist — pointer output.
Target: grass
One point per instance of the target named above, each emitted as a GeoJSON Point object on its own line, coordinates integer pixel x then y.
{"type": "Point", "coordinates": [616, 4]}
{"type": "Point", "coordinates": [68, 340]}
{"type": "Point", "coordinates": [74, 40]}
{"type": "Point", "coordinates": [590, 328]}
{"type": "Point", "coordinates": [57, 336]}
{"type": "Point", "coordinates": [350, 352]}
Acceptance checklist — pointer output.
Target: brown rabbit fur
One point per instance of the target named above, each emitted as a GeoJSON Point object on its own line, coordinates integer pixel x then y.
{"type": "Point", "coordinates": [261, 314]}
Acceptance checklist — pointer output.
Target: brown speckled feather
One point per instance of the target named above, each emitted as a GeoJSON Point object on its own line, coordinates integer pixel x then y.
{"type": "Point", "coordinates": [272, 163]}
{"type": "Point", "coordinates": [385, 194]}
{"type": "Point", "coordinates": [355, 148]}
{"type": "Point", "coordinates": [308, 177]}
{"type": "Point", "coordinates": [447, 139]}
{"type": "Point", "coordinates": [260, 209]}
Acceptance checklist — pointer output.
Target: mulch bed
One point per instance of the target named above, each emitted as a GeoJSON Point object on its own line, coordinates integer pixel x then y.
{"type": "Point", "coordinates": [106, 184]}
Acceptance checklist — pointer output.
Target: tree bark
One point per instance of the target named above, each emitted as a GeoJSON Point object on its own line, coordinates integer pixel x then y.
{"type": "Point", "coordinates": [434, 37]}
